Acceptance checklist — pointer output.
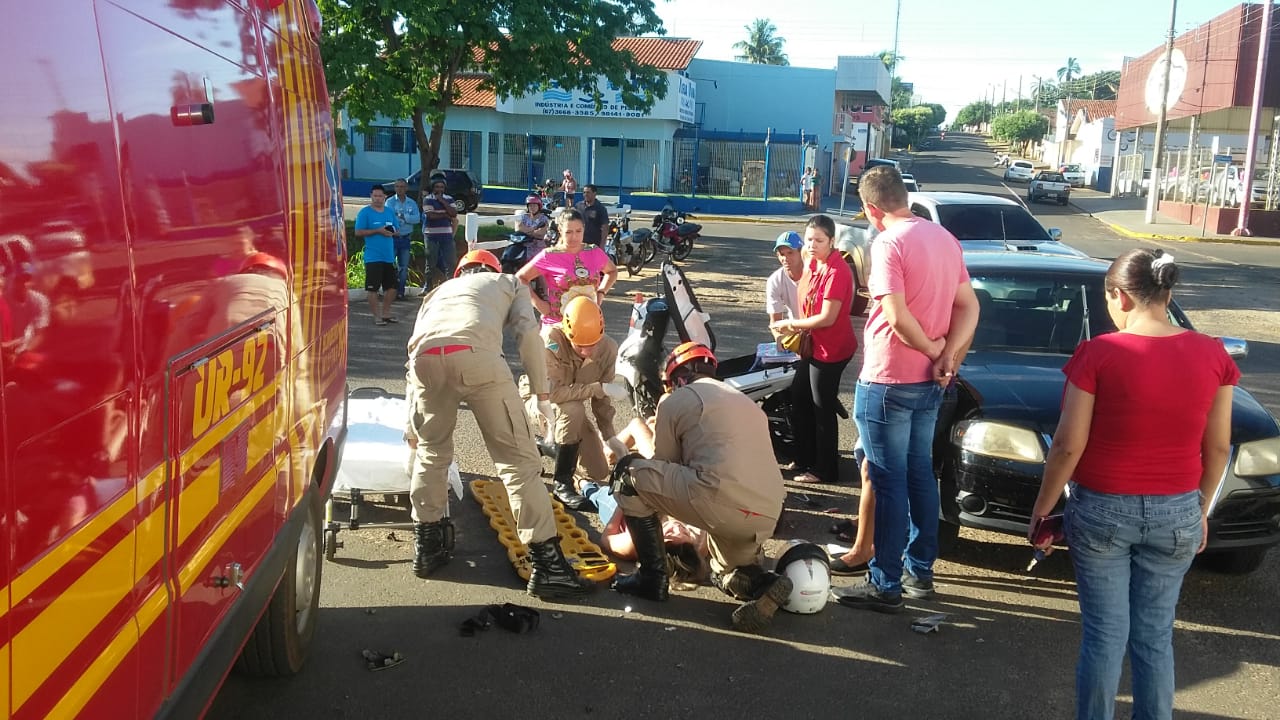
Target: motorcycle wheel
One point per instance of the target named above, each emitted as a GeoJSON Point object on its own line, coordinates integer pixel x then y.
{"type": "Point", "coordinates": [682, 250]}
{"type": "Point", "coordinates": [635, 261]}
{"type": "Point", "coordinates": [646, 252]}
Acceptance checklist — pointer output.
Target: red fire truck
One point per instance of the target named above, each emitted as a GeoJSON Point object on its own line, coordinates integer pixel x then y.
{"type": "Point", "coordinates": [173, 332]}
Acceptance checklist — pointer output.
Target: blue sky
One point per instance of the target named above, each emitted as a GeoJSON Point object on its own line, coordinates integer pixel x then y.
{"type": "Point", "coordinates": [953, 50]}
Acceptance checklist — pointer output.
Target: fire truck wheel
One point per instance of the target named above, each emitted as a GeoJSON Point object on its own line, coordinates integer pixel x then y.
{"type": "Point", "coordinates": [278, 645]}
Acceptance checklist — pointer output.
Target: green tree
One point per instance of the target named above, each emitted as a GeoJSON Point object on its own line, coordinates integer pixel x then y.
{"type": "Point", "coordinates": [899, 94]}
{"type": "Point", "coordinates": [404, 59]}
{"type": "Point", "coordinates": [1022, 127]}
{"type": "Point", "coordinates": [913, 122]}
{"type": "Point", "coordinates": [939, 113]}
{"type": "Point", "coordinates": [975, 113]}
{"type": "Point", "coordinates": [1070, 71]}
{"type": "Point", "coordinates": [762, 46]}
{"type": "Point", "coordinates": [889, 58]}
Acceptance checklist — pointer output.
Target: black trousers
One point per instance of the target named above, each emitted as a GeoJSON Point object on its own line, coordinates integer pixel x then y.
{"type": "Point", "coordinates": [813, 417]}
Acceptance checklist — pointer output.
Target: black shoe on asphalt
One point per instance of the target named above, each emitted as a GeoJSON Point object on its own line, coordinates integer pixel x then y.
{"type": "Point", "coordinates": [863, 594]}
{"type": "Point", "coordinates": [915, 588]}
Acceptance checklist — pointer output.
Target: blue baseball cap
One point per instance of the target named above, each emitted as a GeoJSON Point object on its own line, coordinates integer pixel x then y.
{"type": "Point", "coordinates": [790, 239]}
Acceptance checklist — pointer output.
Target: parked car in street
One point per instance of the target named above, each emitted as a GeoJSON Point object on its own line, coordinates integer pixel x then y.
{"type": "Point", "coordinates": [1074, 174]}
{"type": "Point", "coordinates": [1051, 185]}
{"type": "Point", "coordinates": [1021, 170]}
{"type": "Point", "coordinates": [989, 222]}
{"type": "Point", "coordinates": [994, 434]}
{"type": "Point", "coordinates": [462, 185]}
{"type": "Point", "coordinates": [873, 162]}
{"type": "Point", "coordinates": [910, 181]}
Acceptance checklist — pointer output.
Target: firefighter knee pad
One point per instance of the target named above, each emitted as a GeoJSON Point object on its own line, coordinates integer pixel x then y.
{"type": "Point", "coordinates": [620, 481]}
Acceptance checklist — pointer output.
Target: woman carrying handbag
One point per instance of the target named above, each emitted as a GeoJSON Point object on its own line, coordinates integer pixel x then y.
{"type": "Point", "coordinates": [826, 291]}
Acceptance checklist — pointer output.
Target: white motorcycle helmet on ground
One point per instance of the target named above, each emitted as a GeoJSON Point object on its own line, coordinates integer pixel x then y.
{"type": "Point", "coordinates": [807, 566]}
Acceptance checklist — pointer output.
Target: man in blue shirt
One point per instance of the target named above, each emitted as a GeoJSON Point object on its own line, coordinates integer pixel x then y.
{"type": "Point", "coordinates": [377, 225]}
{"type": "Point", "coordinates": [407, 216]}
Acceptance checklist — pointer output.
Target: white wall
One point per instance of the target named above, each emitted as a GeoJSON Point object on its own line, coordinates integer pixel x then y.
{"type": "Point", "coordinates": [863, 74]}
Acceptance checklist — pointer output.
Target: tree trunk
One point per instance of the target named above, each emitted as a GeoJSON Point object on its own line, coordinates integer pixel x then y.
{"type": "Point", "coordinates": [428, 147]}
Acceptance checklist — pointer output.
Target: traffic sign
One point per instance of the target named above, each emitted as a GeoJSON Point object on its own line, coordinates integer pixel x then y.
{"type": "Point", "coordinates": [1222, 158]}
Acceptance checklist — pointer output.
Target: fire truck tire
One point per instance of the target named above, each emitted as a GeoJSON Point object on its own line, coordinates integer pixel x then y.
{"type": "Point", "coordinates": [279, 643]}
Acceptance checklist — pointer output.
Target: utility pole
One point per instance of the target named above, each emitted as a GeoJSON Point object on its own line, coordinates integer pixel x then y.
{"type": "Point", "coordinates": [1153, 196]}
{"type": "Point", "coordinates": [1019, 93]}
{"type": "Point", "coordinates": [897, 20]}
{"type": "Point", "coordinates": [1004, 96]}
{"type": "Point", "coordinates": [1264, 43]}
{"type": "Point", "coordinates": [1039, 89]}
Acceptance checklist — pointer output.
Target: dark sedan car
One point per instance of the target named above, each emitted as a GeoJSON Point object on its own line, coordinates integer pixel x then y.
{"type": "Point", "coordinates": [461, 185]}
{"type": "Point", "coordinates": [994, 433]}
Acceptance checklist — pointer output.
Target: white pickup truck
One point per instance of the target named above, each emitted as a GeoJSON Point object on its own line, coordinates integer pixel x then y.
{"type": "Point", "coordinates": [1048, 184]}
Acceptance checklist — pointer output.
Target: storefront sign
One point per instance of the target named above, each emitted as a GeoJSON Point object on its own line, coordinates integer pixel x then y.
{"type": "Point", "coordinates": [679, 104]}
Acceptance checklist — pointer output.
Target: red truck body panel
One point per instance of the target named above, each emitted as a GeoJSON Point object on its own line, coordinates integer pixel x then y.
{"type": "Point", "coordinates": [173, 325]}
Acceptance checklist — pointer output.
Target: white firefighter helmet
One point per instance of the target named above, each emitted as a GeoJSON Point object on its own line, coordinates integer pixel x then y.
{"type": "Point", "coordinates": [806, 564]}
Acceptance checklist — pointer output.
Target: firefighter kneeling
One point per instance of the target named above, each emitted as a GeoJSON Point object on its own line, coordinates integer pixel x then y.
{"type": "Point", "coordinates": [713, 467]}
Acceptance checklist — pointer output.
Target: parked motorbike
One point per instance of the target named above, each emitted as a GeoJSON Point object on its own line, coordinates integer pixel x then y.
{"type": "Point", "coordinates": [617, 242]}
{"type": "Point", "coordinates": [637, 249]}
{"type": "Point", "coordinates": [764, 376]}
{"type": "Point", "coordinates": [675, 234]}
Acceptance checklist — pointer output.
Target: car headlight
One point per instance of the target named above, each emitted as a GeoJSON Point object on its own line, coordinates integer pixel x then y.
{"type": "Point", "coordinates": [999, 440]}
{"type": "Point", "coordinates": [1259, 457]}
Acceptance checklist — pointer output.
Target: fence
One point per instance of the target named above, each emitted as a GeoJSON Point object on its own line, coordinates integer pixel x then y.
{"type": "Point", "coordinates": [1195, 175]}
{"type": "Point", "coordinates": [736, 168]}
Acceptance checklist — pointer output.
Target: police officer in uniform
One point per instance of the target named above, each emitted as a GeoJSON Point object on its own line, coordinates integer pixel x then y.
{"type": "Point", "coordinates": [455, 356]}
{"type": "Point", "coordinates": [580, 368]}
{"type": "Point", "coordinates": [713, 467]}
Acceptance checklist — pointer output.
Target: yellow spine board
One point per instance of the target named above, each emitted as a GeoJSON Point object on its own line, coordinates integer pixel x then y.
{"type": "Point", "coordinates": [585, 556]}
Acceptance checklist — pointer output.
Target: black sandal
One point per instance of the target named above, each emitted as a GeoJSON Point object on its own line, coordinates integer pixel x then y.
{"type": "Point", "coordinates": [839, 567]}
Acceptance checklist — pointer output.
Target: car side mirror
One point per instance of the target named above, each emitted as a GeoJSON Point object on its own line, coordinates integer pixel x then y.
{"type": "Point", "coordinates": [1055, 234]}
{"type": "Point", "coordinates": [1236, 347]}
{"type": "Point", "coordinates": [499, 222]}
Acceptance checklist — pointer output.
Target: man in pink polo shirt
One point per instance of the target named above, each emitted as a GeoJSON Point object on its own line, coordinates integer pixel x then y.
{"type": "Point", "coordinates": [921, 324]}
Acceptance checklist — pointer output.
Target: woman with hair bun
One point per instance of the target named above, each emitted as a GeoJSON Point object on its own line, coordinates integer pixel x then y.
{"type": "Point", "coordinates": [1143, 439]}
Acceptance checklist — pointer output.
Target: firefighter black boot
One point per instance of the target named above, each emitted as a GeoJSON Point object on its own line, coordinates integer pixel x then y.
{"type": "Point", "coordinates": [565, 492]}
{"type": "Point", "coordinates": [431, 545]}
{"type": "Point", "coordinates": [763, 591]}
{"type": "Point", "coordinates": [649, 581]}
{"type": "Point", "coordinates": [553, 577]}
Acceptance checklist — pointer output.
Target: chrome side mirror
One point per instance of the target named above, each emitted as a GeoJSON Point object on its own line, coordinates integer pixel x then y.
{"type": "Point", "coordinates": [1055, 234]}
{"type": "Point", "coordinates": [1236, 348]}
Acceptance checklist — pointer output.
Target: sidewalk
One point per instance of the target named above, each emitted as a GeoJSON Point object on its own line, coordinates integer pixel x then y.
{"type": "Point", "coordinates": [1127, 216]}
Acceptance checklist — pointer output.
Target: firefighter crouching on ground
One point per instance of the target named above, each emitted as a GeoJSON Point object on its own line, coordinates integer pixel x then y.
{"type": "Point", "coordinates": [455, 356]}
{"type": "Point", "coordinates": [712, 467]}
{"type": "Point", "coordinates": [580, 369]}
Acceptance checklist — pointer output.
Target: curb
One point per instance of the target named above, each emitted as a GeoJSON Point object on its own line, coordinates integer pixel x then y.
{"type": "Point", "coordinates": [1189, 238]}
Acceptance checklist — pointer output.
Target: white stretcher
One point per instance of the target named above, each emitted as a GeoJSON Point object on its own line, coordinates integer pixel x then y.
{"type": "Point", "coordinates": [376, 460]}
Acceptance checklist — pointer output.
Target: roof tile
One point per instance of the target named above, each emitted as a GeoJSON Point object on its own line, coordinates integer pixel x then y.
{"type": "Point", "coordinates": [660, 52]}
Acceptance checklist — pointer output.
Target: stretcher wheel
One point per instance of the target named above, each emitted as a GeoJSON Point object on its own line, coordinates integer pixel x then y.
{"type": "Point", "coordinates": [331, 544]}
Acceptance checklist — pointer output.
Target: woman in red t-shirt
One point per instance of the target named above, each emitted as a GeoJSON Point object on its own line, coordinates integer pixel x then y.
{"type": "Point", "coordinates": [826, 291]}
{"type": "Point", "coordinates": [1144, 437]}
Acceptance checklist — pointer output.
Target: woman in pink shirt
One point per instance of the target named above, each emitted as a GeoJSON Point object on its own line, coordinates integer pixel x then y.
{"type": "Point", "coordinates": [1144, 438]}
{"type": "Point", "coordinates": [570, 269]}
{"type": "Point", "coordinates": [826, 291]}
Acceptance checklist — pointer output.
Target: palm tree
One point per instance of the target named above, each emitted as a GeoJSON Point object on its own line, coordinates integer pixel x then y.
{"type": "Point", "coordinates": [1069, 72]}
{"type": "Point", "coordinates": [762, 45]}
{"type": "Point", "coordinates": [889, 58]}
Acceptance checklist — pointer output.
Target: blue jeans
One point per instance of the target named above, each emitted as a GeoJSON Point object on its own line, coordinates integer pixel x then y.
{"type": "Point", "coordinates": [403, 254]}
{"type": "Point", "coordinates": [1130, 553]}
{"type": "Point", "coordinates": [895, 429]}
{"type": "Point", "coordinates": [440, 255]}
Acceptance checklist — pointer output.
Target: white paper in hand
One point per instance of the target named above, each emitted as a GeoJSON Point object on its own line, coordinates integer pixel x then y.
{"type": "Point", "coordinates": [614, 390]}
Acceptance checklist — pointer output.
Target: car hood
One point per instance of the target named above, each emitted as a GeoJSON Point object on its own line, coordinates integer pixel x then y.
{"type": "Point", "coordinates": [1026, 389]}
{"type": "Point", "coordinates": [1048, 247]}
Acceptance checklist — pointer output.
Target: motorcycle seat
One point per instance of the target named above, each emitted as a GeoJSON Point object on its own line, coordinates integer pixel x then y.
{"type": "Point", "coordinates": [689, 228]}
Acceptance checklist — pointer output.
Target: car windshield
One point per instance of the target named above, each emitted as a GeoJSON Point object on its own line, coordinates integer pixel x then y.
{"type": "Point", "coordinates": [1038, 313]}
{"type": "Point", "coordinates": [1051, 177]}
{"type": "Point", "coordinates": [1022, 164]}
{"type": "Point", "coordinates": [991, 222]}
{"type": "Point", "coordinates": [1072, 168]}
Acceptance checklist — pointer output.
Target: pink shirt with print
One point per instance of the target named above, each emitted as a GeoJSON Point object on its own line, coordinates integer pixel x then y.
{"type": "Point", "coordinates": [569, 273]}
{"type": "Point", "coordinates": [923, 262]}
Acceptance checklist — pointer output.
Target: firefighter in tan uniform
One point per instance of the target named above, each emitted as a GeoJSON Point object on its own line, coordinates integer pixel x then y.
{"type": "Point", "coordinates": [580, 369]}
{"type": "Point", "coordinates": [712, 467]}
{"type": "Point", "coordinates": [455, 356]}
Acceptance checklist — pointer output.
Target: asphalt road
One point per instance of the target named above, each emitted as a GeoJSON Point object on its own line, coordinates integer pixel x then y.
{"type": "Point", "coordinates": [1006, 651]}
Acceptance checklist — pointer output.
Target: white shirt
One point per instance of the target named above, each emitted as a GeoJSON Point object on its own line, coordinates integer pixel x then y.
{"type": "Point", "coordinates": [782, 294]}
